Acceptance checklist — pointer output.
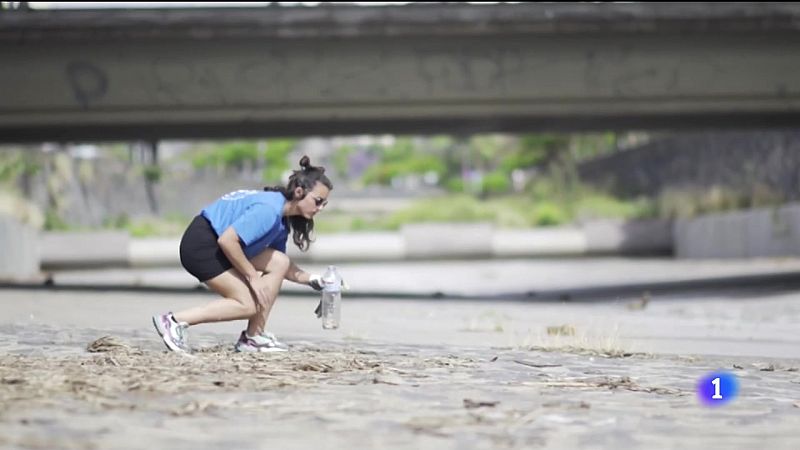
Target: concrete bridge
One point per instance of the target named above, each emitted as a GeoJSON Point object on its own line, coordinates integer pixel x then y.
{"type": "Point", "coordinates": [422, 68]}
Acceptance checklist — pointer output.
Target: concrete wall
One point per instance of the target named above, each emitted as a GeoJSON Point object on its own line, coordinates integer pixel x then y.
{"type": "Point", "coordinates": [19, 252]}
{"type": "Point", "coordinates": [750, 163]}
{"type": "Point", "coordinates": [742, 234]}
{"type": "Point", "coordinates": [85, 249]}
{"type": "Point", "coordinates": [414, 242]}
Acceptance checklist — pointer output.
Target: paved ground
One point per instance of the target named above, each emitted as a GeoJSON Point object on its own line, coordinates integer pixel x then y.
{"type": "Point", "coordinates": [402, 374]}
{"type": "Point", "coordinates": [411, 373]}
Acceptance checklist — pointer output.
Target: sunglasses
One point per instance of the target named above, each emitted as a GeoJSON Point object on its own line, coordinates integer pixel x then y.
{"type": "Point", "coordinates": [319, 201]}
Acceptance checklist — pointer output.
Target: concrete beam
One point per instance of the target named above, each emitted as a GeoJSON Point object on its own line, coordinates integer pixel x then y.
{"type": "Point", "coordinates": [330, 20]}
{"type": "Point", "coordinates": [424, 69]}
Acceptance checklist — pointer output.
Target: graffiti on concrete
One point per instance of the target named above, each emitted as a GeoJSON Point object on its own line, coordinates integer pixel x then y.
{"type": "Point", "coordinates": [182, 82]}
{"type": "Point", "coordinates": [88, 82]}
{"type": "Point", "coordinates": [418, 73]}
{"type": "Point", "coordinates": [469, 69]}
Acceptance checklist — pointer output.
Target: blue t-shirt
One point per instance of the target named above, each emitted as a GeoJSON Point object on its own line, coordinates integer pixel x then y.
{"type": "Point", "coordinates": [257, 217]}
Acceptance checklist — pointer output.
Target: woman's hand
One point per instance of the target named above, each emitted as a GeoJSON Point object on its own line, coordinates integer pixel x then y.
{"type": "Point", "coordinates": [258, 285]}
{"type": "Point", "coordinates": [315, 281]}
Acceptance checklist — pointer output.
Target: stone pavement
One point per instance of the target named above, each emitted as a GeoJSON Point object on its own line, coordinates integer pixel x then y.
{"type": "Point", "coordinates": [410, 374]}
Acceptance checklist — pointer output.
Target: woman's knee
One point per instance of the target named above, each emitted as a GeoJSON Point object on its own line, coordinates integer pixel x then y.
{"type": "Point", "coordinates": [247, 304]}
{"type": "Point", "coordinates": [272, 261]}
{"type": "Point", "coordinates": [232, 286]}
{"type": "Point", "coordinates": [280, 263]}
{"type": "Point", "coordinates": [248, 307]}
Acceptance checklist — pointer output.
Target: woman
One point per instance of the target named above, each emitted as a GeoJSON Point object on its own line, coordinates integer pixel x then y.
{"type": "Point", "coordinates": [237, 247]}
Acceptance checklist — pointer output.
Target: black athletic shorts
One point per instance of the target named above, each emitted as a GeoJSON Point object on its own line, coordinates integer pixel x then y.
{"type": "Point", "coordinates": [201, 255]}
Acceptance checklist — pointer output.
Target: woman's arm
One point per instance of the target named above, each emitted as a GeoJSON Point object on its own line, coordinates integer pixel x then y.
{"type": "Point", "coordinates": [297, 274]}
{"type": "Point", "coordinates": [229, 243]}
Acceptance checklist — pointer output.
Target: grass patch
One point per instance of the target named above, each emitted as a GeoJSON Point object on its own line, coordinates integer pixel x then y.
{"type": "Point", "coordinates": [606, 345]}
{"type": "Point", "coordinates": [517, 211]}
{"type": "Point", "coordinates": [487, 322]}
{"type": "Point", "coordinates": [171, 225]}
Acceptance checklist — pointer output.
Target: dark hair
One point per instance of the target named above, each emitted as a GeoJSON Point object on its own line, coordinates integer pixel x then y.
{"type": "Point", "coordinates": [307, 177]}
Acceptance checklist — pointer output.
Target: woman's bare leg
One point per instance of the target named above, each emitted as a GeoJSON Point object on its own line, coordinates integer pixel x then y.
{"type": "Point", "coordinates": [238, 301]}
{"type": "Point", "coordinates": [274, 264]}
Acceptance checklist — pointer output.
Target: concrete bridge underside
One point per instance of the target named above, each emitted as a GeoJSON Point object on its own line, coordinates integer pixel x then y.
{"type": "Point", "coordinates": [421, 69]}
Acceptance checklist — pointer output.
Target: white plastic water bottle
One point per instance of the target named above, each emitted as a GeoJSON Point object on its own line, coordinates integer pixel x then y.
{"type": "Point", "coordinates": [331, 299]}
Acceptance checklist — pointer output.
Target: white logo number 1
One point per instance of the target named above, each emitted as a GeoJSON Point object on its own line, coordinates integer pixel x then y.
{"type": "Point", "coordinates": [717, 395]}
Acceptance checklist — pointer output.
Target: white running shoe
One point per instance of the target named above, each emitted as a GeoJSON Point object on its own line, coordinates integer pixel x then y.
{"type": "Point", "coordinates": [264, 342]}
{"type": "Point", "coordinates": [172, 332]}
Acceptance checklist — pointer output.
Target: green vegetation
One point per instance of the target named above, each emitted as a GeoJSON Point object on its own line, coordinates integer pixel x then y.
{"type": "Point", "coordinates": [516, 211]}
{"type": "Point", "coordinates": [18, 164]}
{"type": "Point", "coordinates": [341, 160]}
{"type": "Point", "coordinates": [510, 181]}
{"type": "Point", "coordinates": [169, 225]}
{"type": "Point", "coordinates": [54, 222]}
{"type": "Point", "coordinates": [400, 159]}
{"type": "Point", "coordinates": [546, 204]}
{"type": "Point", "coordinates": [17, 169]}
{"type": "Point", "coordinates": [478, 175]}
{"type": "Point", "coordinates": [481, 164]}
{"type": "Point", "coordinates": [269, 155]}
{"type": "Point", "coordinates": [689, 203]}
{"type": "Point", "coordinates": [153, 174]}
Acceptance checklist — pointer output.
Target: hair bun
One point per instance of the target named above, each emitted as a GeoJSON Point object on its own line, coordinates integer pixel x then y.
{"type": "Point", "coordinates": [305, 162]}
